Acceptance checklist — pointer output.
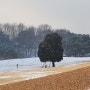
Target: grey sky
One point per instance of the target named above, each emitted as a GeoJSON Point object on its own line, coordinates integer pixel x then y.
{"type": "Point", "coordinates": [68, 14]}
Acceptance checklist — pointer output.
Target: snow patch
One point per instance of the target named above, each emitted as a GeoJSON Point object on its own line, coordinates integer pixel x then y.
{"type": "Point", "coordinates": [2, 77]}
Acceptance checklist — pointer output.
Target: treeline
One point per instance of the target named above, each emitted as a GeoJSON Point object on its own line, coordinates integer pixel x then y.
{"type": "Point", "coordinates": [77, 45]}
{"type": "Point", "coordinates": [20, 41]}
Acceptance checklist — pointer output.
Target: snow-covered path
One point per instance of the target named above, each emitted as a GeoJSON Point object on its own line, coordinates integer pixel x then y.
{"type": "Point", "coordinates": [13, 76]}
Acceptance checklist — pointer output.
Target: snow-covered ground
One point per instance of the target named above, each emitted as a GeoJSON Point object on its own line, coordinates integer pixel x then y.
{"type": "Point", "coordinates": [10, 73]}
{"type": "Point", "coordinates": [34, 63]}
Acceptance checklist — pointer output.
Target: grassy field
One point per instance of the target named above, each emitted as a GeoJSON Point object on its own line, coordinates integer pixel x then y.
{"type": "Point", "coordinates": [72, 78]}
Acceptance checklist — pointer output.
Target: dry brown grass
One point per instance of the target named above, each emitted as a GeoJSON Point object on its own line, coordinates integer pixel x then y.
{"type": "Point", "coordinates": [78, 79]}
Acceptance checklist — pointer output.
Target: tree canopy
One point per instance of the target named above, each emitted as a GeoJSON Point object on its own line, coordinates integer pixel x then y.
{"type": "Point", "coordinates": [51, 49]}
{"type": "Point", "coordinates": [26, 40]}
{"type": "Point", "coordinates": [7, 49]}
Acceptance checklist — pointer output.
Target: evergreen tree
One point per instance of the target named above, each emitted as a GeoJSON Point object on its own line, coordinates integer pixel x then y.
{"type": "Point", "coordinates": [51, 49]}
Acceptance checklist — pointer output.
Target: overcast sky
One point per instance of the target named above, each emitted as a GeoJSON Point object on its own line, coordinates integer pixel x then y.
{"type": "Point", "coordinates": [73, 15]}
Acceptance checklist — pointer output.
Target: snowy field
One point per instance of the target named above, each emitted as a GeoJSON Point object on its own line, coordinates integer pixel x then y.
{"type": "Point", "coordinates": [34, 63]}
{"type": "Point", "coordinates": [9, 72]}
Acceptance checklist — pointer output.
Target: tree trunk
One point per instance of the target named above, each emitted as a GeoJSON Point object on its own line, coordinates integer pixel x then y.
{"type": "Point", "coordinates": [53, 64]}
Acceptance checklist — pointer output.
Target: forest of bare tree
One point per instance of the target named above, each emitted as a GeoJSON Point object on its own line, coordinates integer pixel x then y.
{"type": "Point", "coordinates": [20, 41]}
